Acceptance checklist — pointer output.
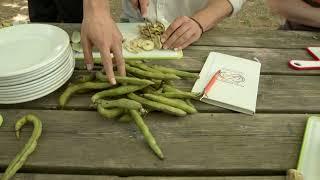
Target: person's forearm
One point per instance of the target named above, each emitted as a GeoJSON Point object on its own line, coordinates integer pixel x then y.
{"type": "Point", "coordinates": [213, 13]}
{"type": "Point", "coordinates": [98, 7]}
{"type": "Point", "coordinates": [297, 11]}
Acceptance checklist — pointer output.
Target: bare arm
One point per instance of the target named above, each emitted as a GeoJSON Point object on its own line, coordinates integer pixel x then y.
{"type": "Point", "coordinates": [297, 11]}
{"type": "Point", "coordinates": [213, 13]}
{"type": "Point", "coordinates": [185, 30]}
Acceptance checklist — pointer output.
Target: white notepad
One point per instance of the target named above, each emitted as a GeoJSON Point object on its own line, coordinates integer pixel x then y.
{"type": "Point", "coordinates": [237, 85]}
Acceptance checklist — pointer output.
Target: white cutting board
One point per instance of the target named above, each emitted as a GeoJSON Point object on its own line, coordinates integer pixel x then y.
{"type": "Point", "coordinates": [131, 31]}
{"type": "Point", "coordinates": [309, 160]}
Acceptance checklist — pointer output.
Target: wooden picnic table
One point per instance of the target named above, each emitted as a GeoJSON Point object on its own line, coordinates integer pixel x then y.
{"type": "Point", "coordinates": [217, 144]}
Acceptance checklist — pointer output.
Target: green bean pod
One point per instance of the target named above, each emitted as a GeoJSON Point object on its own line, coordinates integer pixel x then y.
{"type": "Point", "coordinates": [85, 78]}
{"type": "Point", "coordinates": [151, 75]}
{"type": "Point", "coordinates": [179, 100]}
{"type": "Point", "coordinates": [64, 98]}
{"type": "Point", "coordinates": [119, 103]}
{"type": "Point", "coordinates": [174, 103]}
{"type": "Point", "coordinates": [143, 66]}
{"type": "Point", "coordinates": [116, 92]}
{"type": "Point", "coordinates": [159, 90]}
{"type": "Point", "coordinates": [125, 80]}
{"type": "Point", "coordinates": [169, 83]}
{"type": "Point", "coordinates": [149, 90]}
{"type": "Point", "coordinates": [125, 118]}
{"type": "Point", "coordinates": [182, 74]}
{"type": "Point", "coordinates": [188, 101]}
{"type": "Point", "coordinates": [146, 133]}
{"type": "Point", "coordinates": [168, 88]}
{"type": "Point", "coordinates": [109, 113]}
{"type": "Point", "coordinates": [28, 148]}
{"type": "Point", "coordinates": [157, 106]}
{"type": "Point", "coordinates": [157, 83]}
{"type": "Point", "coordinates": [181, 95]}
{"type": "Point", "coordinates": [171, 91]}
{"type": "Point", "coordinates": [1, 120]}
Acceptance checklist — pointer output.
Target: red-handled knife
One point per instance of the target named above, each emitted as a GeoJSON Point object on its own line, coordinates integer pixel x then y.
{"type": "Point", "coordinates": [210, 84]}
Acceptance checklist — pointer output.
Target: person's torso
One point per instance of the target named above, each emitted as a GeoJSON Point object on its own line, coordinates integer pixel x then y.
{"type": "Point", "coordinates": [164, 10]}
{"type": "Point", "coordinates": [295, 26]}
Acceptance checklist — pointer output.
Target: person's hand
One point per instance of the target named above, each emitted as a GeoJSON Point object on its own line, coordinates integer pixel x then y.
{"type": "Point", "coordinates": [181, 33]}
{"type": "Point", "coordinates": [102, 32]}
{"type": "Point", "coordinates": [142, 5]}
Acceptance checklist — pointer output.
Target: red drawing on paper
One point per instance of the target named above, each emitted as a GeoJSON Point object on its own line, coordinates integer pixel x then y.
{"type": "Point", "coordinates": [232, 77]}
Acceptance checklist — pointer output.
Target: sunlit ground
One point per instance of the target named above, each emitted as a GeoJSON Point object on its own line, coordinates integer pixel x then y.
{"type": "Point", "coordinates": [13, 10]}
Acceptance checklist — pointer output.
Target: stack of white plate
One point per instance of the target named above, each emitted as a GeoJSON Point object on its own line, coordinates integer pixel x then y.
{"type": "Point", "coordinates": [36, 59]}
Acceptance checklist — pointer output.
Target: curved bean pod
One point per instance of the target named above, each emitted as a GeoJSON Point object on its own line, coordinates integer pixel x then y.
{"type": "Point", "coordinates": [116, 92]}
{"type": "Point", "coordinates": [158, 106]}
{"type": "Point", "coordinates": [182, 74]}
{"type": "Point", "coordinates": [120, 103]}
{"type": "Point", "coordinates": [151, 75]}
{"type": "Point", "coordinates": [28, 148]}
{"type": "Point", "coordinates": [109, 113]}
{"type": "Point", "coordinates": [64, 98]}
{"type": "Point", "coordinates": [183, 106]}
{"type": "Point", "coordinates": [146, 133]}
{"type": "Point", "coordinates": [125, 80]}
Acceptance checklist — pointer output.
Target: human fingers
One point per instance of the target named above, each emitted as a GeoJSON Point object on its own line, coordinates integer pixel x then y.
{"type": "Point", "coordinates": [107, 64]}
{"type": "Point", "coordinates": [172, 28]}
{"type": "Point", "coordinates": [117, 54]}
{"type": "Point", "coordinates": [87, 52]}
{"type": "Point", "coordinates": [181, 31]}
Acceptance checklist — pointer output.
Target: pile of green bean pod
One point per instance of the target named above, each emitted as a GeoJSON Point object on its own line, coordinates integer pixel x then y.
{"type": "Point", "coordinates": [28, 148]}
{"type": "Point", "coordinates": [147, 88]}
{"type": "Point", "coordinates": [124, 80]}
{"type": "Point", "coordinates": [153, 75]}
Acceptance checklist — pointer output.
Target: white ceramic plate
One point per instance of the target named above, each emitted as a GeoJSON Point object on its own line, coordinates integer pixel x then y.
{"type": "Point", "coordinates": [44, 92]}
{"type": "Point", "coordinates": [28, 47]}
{"type": "Point", "coordinates": [39, 90]}
{"type": "Point", "coordinates": [35, 75]}
{"type": "Point", "coordinates": [38, 83]}
{"type": "Point", "coordinates": [64, 55]}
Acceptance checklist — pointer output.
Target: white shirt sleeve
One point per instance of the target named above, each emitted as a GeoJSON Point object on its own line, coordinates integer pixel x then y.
{"type": "Point", "coordinates": [236, 4]}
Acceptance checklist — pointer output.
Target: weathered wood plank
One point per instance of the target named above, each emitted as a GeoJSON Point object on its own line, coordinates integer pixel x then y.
{"type": "Point", "coordinates": [86, 177]}
{"type": "Point", "coordinates": [278, 94]}
{"type": "Point", "coordinates": [247, 38]}
{"type": "Point", "coordinates": [274, 61]}
{"type": "Point", "coordinates": [259, 38]}
{"type": "Point", "coordinates": [201, 144]}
